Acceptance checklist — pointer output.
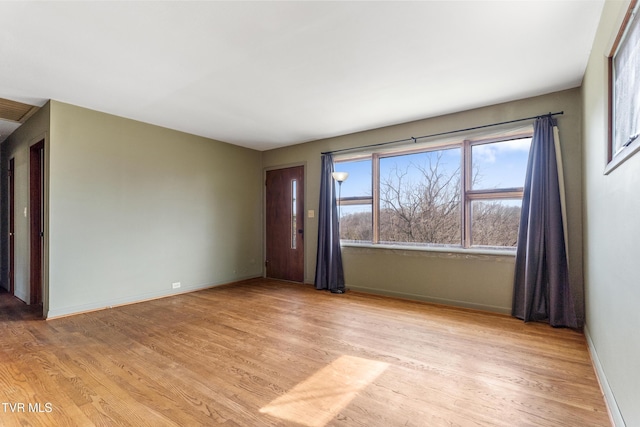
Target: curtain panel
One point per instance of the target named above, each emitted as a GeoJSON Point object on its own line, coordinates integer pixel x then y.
{"type": "Point", "coordinates": [541, 284]}
{"type": "Point", "coordinates": [329, 269]}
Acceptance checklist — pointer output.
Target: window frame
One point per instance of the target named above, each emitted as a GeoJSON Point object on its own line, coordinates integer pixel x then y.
{"type": "Point", "coordinates": [362, 199]}
{"type": "Point", "coordinates": [467, 194]}
{"type": "Point", "coordinates": [616, 157]}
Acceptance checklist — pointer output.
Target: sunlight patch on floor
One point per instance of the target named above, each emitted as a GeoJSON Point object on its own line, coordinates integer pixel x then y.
{"type": "Point", "coordinates": [316, 400]}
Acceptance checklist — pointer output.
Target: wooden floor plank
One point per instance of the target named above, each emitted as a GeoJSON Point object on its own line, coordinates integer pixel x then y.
{"type": "Point", "coordinates": [271, 353]}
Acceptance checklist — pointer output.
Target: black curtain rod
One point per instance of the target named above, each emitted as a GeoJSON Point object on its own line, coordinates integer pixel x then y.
{"type": "Point", "coordinates": [415, 139]}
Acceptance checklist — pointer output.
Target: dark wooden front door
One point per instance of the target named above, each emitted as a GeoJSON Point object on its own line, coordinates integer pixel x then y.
{"type": "Point", "coordinates": [36, 185]}
{"type": "Point", "coordinates": [285, 224]}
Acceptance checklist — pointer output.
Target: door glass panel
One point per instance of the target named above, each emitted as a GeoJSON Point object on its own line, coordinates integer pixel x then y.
{"type": "Point", "coordinates": [294, 192]}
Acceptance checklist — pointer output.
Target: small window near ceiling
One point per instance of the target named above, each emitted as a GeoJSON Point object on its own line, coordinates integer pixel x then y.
{"type": "Point", "coordinates": [624, 90]}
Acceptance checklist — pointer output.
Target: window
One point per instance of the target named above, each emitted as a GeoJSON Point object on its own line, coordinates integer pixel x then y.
{"type": "Point", "coordinates": [624, 91]}
{"type": "Point", "coordinates": [494, 191]}
{"type": "Point", "coordinates": [356, 201]}
{"type": "Point", "coordinates": [420, 197]}
{"type": "Point", "coordinates": [463, 194]}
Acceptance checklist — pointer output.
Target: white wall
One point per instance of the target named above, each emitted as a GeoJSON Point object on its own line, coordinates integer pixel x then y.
{"type": "Point", "coordinates": [611, 240]}
{"type": "Point", "coordinates": [136, 207]}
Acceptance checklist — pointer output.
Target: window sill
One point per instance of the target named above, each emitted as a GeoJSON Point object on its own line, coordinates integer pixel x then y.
{"type": "Point", "coordinates": [444, 250]}
{"type": "Point", "coordinates": [622, 156]}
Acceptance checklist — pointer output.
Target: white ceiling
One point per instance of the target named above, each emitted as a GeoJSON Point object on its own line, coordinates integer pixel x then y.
{"type": "Point", "coordinates": [269, 74]}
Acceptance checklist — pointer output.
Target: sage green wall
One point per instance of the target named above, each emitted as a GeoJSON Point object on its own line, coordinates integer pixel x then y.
{"type": "Point", "coordinates": [465, 279]}
{"type": "Point", "coordinates": [135, 207]}
{"type": "Point", "coordinates": [611, 240]}
{"type": "Point", "coordinates": [17, 146]}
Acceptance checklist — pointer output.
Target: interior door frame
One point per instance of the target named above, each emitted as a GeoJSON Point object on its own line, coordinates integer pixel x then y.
{"type": "Point", "coordinates": [36, 221]}
{"type": "Point", "coordinates": [303, 214]}
{"type": "Point", "coordinates": [12, 225]}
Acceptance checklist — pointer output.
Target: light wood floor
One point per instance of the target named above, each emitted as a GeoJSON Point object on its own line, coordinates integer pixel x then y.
{"type": "Point", "coordinates": [266, 353]}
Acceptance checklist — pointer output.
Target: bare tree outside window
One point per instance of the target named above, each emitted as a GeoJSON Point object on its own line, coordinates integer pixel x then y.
{"type": "Point", "coordinates": [356, 224]}
{"type": "Point", "coordinates": [495, 223]}
{"type": "Point", "coordinates": [420, 202]}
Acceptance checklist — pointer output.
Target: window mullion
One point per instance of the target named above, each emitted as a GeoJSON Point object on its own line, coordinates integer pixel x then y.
{"type": "Point", "coordinates": [495, 194]}
{"type": "Point", "coordinates": [467, 177]}
{"type": "Point", "coordinates": [353, 201]}
{"type": "Point", "coordinates": [375, 209]}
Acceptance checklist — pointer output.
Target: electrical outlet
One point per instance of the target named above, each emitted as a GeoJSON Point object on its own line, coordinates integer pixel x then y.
{"type": "Point", "coordinates": [175, 285]}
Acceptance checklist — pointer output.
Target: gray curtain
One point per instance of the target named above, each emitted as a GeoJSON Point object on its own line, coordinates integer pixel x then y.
{"type": "Point", "coordinates": [541, 285]}
{"type": "Point", "coordinates": [329, 270]}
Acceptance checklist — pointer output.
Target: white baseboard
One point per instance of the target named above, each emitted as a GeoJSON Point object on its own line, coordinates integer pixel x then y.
{"type": "Point", "coordinates": [443, 301]}
{"type": "Point", "coordinates": [115, 302]}
{"type": "Point", "coordinates": [610, 400]}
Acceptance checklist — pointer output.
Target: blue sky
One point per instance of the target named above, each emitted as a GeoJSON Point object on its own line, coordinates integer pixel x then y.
{"type": "Point", "coordinates": [501, 164]}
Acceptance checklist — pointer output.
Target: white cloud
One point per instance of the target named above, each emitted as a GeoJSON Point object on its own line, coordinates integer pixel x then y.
{"type": "Point", "coordinates": [487, 153]}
